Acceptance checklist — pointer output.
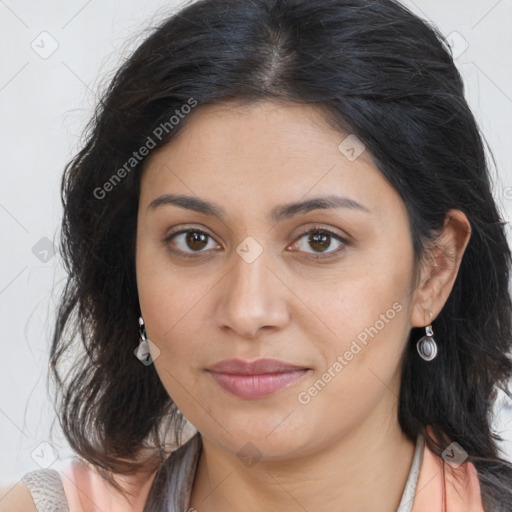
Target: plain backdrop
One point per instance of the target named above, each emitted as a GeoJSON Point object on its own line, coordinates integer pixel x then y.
{"type": "Point", "coordinates": [55, 57]}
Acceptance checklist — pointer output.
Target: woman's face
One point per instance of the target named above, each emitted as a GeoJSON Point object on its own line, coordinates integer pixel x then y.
{"type": "Point", "coordinates": [248, 284]}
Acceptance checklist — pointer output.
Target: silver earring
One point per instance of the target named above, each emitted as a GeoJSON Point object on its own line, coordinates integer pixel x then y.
{"type": "Point", "coordinates": [427, 346]}
{"type": "Point", "coordinates": [142, 329]}
{"type": "Point", "coordinates": [142, 351]}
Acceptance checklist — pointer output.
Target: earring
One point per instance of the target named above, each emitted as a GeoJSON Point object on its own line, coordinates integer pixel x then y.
{"type": "Point", "coordinates": [142, 329]}
{"type": "Point", "coordinates": [427, 346]}
{"type": "Point", "coordinates": [142, 351]}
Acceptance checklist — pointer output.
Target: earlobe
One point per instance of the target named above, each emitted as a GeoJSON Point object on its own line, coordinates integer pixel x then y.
{"type": "Point", "coordinates": [440, 268]}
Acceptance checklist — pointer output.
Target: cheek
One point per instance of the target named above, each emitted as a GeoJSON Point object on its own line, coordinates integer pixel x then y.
{"type": "Point", "coordinates": [173, 304]}
{"type": "Point", "coordinates": [360, 315]}
{"type": "Point", "coordinates": [361, 359]}
{"type": "Point", "coordinates": [173, 324]}
{"type": "Point", "coordinates": [173, 313]}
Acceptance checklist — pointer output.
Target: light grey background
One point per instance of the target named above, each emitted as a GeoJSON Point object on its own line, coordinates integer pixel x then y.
{"type": "Point", "coordinates": [46, 99]}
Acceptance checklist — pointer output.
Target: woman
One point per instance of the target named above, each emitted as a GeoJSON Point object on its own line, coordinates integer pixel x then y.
{"type": "Point", "coordinates": [289, 203]}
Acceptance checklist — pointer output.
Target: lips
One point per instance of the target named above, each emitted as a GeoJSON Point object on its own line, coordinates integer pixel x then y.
{"type": "Point", "coordinates": [256, 379]}
{"type": "Point", "coordinates": [258, 367]}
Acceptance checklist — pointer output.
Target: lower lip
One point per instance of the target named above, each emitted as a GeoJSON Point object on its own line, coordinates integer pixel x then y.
{"type": "Point", "coordinates": [257, 386]}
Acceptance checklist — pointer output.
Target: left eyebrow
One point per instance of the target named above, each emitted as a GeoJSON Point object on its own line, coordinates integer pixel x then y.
{"type": "Point", "coordinates": [277, 214]}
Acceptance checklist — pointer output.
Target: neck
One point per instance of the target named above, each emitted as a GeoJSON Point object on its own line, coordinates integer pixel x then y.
{"type": "Point", "coordinates": [364, 470]}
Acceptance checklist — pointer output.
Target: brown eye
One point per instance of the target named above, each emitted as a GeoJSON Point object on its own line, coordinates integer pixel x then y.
{"type": "Point", "coordinates": [320, 240]}
{"type": "Point", "coordinates": [196, 240]}
{"type": "Point", "coordinates": [189, 241]}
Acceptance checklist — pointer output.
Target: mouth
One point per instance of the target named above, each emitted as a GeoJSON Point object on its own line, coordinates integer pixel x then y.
{"type": "Point", "coordinates": [256, 379]}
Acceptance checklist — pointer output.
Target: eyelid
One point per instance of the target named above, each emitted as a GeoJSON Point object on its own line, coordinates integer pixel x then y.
{"type": "Point", "coordinates": [319, 227]}
{"type": "Point", "coordinates": [185, 228]}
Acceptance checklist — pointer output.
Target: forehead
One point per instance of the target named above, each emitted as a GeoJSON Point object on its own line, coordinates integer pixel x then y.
{"type": "Point", "coordinates": [239, 130]}
{"type": "Point", "coordinates": [239, 154]}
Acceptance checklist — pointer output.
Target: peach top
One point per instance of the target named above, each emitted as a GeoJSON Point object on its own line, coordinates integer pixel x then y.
{"type": "Point", "coordinates": [439, 487]}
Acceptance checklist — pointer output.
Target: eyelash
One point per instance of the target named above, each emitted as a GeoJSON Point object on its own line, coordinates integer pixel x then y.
{"type": "Point", "coordinates": [314, 256]}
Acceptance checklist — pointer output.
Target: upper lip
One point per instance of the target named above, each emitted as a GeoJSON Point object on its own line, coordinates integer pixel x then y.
{"type": "Point", "coordinates": [259, 366]}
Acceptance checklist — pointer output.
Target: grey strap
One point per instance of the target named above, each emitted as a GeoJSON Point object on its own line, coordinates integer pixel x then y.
{"type": "Point", "coordinates": [47, 490]}
{"type": "Point", "coordinates": [407, 500]}
{"type": "Point", "coordinates": [172, 486]}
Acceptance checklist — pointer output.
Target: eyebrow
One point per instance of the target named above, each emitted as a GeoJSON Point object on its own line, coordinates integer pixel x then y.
{"type": "Point", "coordinates": [277, 214]}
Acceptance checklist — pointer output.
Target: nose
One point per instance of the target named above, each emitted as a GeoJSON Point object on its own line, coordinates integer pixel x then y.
{"type": "Point", "coordinates": [252, 297]}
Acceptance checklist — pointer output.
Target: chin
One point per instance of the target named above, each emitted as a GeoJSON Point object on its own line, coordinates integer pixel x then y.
{"type": "Point", "coordinates": [263, 440]}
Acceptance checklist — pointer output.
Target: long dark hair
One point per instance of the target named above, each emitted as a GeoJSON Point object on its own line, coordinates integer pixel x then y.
{"type": "Point", "coordinates": [377, 71]}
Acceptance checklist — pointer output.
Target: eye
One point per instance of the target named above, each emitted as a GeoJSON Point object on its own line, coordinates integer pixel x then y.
{"type": "Point", "coordinates": [190, 241]}
{"type": "Point", "coordinates": [194, 239]}
{"type": "Point", "coordinates": [320, 239]}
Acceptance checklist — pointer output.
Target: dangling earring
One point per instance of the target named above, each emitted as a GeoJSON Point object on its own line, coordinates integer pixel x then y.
{"type": "Point", "coordinates": [147, 351]}
{"type": "Point", "coordinates": [142, 351]}
{"type": "Point", "coordinates": [427, 346]}
{"type": "Point", "coordinates": [142, 329]}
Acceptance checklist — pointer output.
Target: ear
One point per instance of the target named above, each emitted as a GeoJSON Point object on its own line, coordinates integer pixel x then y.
{"type": "Point", "coordinates": [439, 268]}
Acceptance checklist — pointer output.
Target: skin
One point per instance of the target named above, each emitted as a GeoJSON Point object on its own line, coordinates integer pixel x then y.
{"type": "Point", "coordinates": [344, 450]}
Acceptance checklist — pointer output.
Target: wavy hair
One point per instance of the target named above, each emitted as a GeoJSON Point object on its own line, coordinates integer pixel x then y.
{"type": "Point", "coordinates": [375, 70]}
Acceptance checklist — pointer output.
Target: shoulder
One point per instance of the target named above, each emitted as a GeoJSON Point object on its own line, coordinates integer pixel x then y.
{"type": "Point", "coordinates": [37, 491]}
{"type": "Point", "coordinates": [87, 490]}
{"type": "Point", "coordinates": [451, 484]}
{"type": "Point", "coordinates": [16, 498]}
